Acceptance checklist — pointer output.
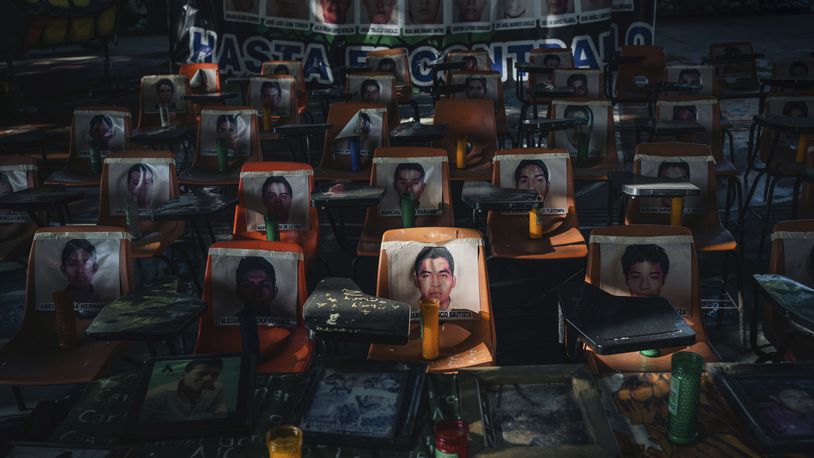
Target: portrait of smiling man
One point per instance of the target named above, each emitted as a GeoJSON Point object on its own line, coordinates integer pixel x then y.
{"type": "Point", "coordinates": [515, 9]}
{"type": "Point", "coordinates": [471, 11]}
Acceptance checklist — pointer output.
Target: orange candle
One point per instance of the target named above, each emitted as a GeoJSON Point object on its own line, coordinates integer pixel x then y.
{"type": "Point", "coordinates": [266, 119]}
{"type": "Point", "coordinates": [802, 148]}
{"type": "Point", "coordinates": [429, 328]}
{"type": "Point", "coordinates": [284, 441]}
{"type": "Point", "coordinates": [460, 152]}
{"type": "Point", "coordinates": [676, 211]}
{"type": "Point", "coordinates": [535, 225]}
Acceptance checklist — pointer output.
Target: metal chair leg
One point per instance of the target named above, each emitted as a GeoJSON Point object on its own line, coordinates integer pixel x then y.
{"type": "Point", "coordinates": [765, 230]}
{"type": "Point", "coordinates": [18, 396]}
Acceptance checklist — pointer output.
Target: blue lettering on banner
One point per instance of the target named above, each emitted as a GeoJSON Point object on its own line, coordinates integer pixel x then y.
{"type": "Point", "coordinates": [419, 59]}
{"type": "Point", "coordinates": [585, 53]}
{"type": "Point", "coordinates": [639, 33]}
{"type": "Point", "coordinates": [202, 44]}
{"type": "Point", "coordinates": [356, 56]}
{"type": "Point", "coordinates": [257, 50]}
{"type": "Point", "coordinates": [519, 51]}
{"type": "Point", "coordinates": [229, 57]}
{"type": "Point", "coordinates": [608, 41]}
{"type": "Point", "coordinates": [316, 66]}
{"type": "Point", "coordinates": [287, 50]}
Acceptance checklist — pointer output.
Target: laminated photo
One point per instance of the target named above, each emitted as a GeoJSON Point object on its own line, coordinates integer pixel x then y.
{"type": "Point", "coordinates": [371, 88]}
{"type": "Point", "coordinates": [783, 406]}
{"type": "Point", "coordinates": [355, 404]}
{"type": "Point", "coordinates": [271, 95]}
{"type": "Point", "coordinates": [446, 271]}
{"type": "Point", "coordinates": [797, 68]}
{"type": "Point", "coordinates": [425, 17]}
{"type": "Point", "coordinates": [366, 125]}
{"type": "Point", "coordinates": [285, 194]}
{"type": "Point", "coordinates": [479, 86]}
{"type": "Point", "coordinates": [584, 82]}
{"type": "Point", "coordinates": [231, 128]}
{"type": "Point", "coordinates": [595, 10]}
{"type": "Point", "coordinates": [595, 132]}
{"type": "Point", "coordinates": [798, 255]}
{"type": "Point", "coordinates": [283, 68]}
{"type": "Point", "coordinates": [700, 111]}
{"type": "Point", "coordinates": [85, 263]}
{"type": "Point", "coordinates": [334, 17]}
{"type": "Point", "coordinates": [649, 266]}
{"type": "Point", "coordinates": [255, 284]}
{"type": "Point", "coordinates": [213, 382]}
{"type": "Point", "coordinates": [475, 60]}
{"type": "Point", "coordinates": [795, 107]}
{"type": "Point", "coordinates": [471, 16]}
{"type": "Point", "coordinates": [543, 173]}
{"type": "Point", "coordinates": [694, 169]}
{"type": "Point", "coordinates": [163, 89]}
{"type": "Point", "coordinates": [380, 17]}
{"type": "Point", "coordinates": [557, 13]}
{"type": "Point", "coordinates": [389, 64]}
{"type": "Point", "coordinates": [102, 130]}
{"type": "Point", "coordinates": [703, 75]}
{"type": "Point", "coordinates": [288, 14]}
{"type": "Point", "coordinates": [243, 10]}
{"type": "Point", "coordinates": [734, 69]}
{"type": "Point", "coordinates": [13, 178]}
{"type": "Point", "coordinates": [419, 176]}
{"type": "Point", "coordinates": [515, 14]}
{"type": "Point", "coordinates": [553, 59]}
{"type": "Point", "coordinates": [144, 182]}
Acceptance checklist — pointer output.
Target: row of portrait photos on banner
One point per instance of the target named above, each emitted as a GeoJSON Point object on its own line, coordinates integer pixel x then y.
{"type": "Point", "coordinates": [419, 17]}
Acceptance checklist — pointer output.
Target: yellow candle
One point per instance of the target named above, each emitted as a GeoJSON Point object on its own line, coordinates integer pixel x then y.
{"type": "Point", "coordinates": [284, 441]}
{"type": "Point", "coordinates": [676, 211]}
{"type": "Point", "coordinates": [460, 152]}
{"type": "Point", "coordinates": [266, 119]}
{"type": "Point", "coordinates": [429, 328]}
{"type": "Point", "coordinates": [535, 225]}
{"type": "Point", "coordinates": [802, 148]}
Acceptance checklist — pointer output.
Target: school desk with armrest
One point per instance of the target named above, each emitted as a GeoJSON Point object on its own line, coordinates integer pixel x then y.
{"type": "Point", "coordinates": [596, 169]}
{"type": "Point", "coordinates": [295, 69]}
{"type": "Point", "coordinates": [472, 122]}
{"type": "Point", "coordinates": [15, 238]}
{"type": "Point", "coordinates": [404, 85]}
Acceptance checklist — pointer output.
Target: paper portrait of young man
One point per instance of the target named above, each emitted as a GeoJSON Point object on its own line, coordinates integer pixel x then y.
{"type": "Point", "coordinates": [335, 17]}
{"type": "Point", "coordinates": [692, 169]}
{"type": "Point", "coordinates": [139, 182]}
{"type": "Point", "coordinates": [271, 95]}
{"type": "Point", "coordinates": [545, 174]}
{"type": "Point", "coordinates": [282, 194]}
{"type": "Point", "coordinates": [101, 130]}
{"type": "Point", "coordinates": [254, 284]}
{"type": "Point", "coordinates": [158, 90]}
{"type": "Point", "coordinates": [515, 14]}
{"type": "Point", "coordinates": [595, 10]}
{"type": "Point", "coordinates": [372, 88]}
{"type": "Point", "coordinates": [594, 132]}
{"type": "Point", "coordinates": [425, 17]}
{"type": "Point", "coordinates": [250, 11]}
{"type": "Point", "coordinates": [13, 178]}
{"type": "Point", "coordinates": [232, 129]}
{"type": "Point", "coordinates": [367, 127]}
{"type": "Point", "coordinates": [419, 176]}
{"type": "Point", "coordinates": [557, 13]}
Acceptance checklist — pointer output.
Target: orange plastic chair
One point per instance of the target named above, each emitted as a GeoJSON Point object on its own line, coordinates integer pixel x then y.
{"type": "Point", "coordinates": [77, 171]}
{"type": "Point", "coordinates": [149, 116]}
{"type": "Point", "coordinates": [509, 233]}
{"type": "Point", "coordinates": [209, 74]}
{"type": "Point", "coordinates": [797, 67]}
{"type": "Point", "coordinates": [17, 228]}
{"type": "Point", "coordinates": [482, 61]}
{"type": "Point", "coordinates": [156, 236]}
{"type": "Point", "coordinates": [474, 120]}
{"type": "Point", "coordinates": [287, 83]}
{"type": "Point", "coordinates": [282, 349]}
{"type": "Point", "coordinates": [33, 356]}
{"type": "Point", "coordinates": [333, 167]}
{"type": "Point", "coordinates": [607, 160]}
{"type": "Point", "coordinates": [792, 245]}
{"type": "Point", "coordinates": [494, 91]}
{"type": "Point", "coordinates": [553, 58]}
{"type": "Point", "coordinates": [307, 239]}
{"type": "Point", "coordinates": [690, 304]}
{"type": "Point", "coordinates": [404, 81]}
{"type": "Point", "coordinates": [293, 68]}
{"type": "Point", "coordinates": [587, 83]}
{"type": "Point", "coordinates": [204, 169]}
{"type": "Point", "coordinates": [626, 90]}
{"type": "Point", "coordinates": [375, 224]}
{"type": "Point", "coordinates": [464, 343]}
{"type": "Point", "coordinates": [353, 86]}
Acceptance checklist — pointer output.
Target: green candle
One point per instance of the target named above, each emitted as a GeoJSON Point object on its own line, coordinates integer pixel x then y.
{"type": "Point", "coordinates": [95, 160]}
{"type": "Point", "coordinates": [223, 156]}
{"type": "Point", "coordinates": [272, 228]}
{"type": "Point", "coordinates": [685, 390]}
{"type": "Point", "coordinates": [408, 210]}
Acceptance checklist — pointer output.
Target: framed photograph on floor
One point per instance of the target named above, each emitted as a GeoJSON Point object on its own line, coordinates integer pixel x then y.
{"type": "Point", "coordinates": [534, 410]}
{"type": "Point", "coordinates": [775, 401]}
{"type": "Point", "coordinates": [192, 396]}
{"type": "Point", "coordinates": [361, 403]}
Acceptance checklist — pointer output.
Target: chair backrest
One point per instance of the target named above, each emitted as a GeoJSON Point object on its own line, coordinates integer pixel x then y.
{"type": "Point", "coordinates": [694, 74]}
{"type": "Point", "coordinates": [553, 58]}
{"type": "Point", "coordinates": [276, 94]}
{"type": "Point", "coordinates": [547, 171]}
{"type": "Point", "coordinates": [235, 125]}
{"type": "Point", "coordinates": [793, 250]}
{"type": "Point", "coordinates": [476, 59]}
{"type": "Point", "coordinates": [166, 89]}
{"type": "Point", "coordinates": [651, 68]}
{"type": "Point", "coordinates": [734, 69]}
{"type": "Point", "coordinates": [471, 118]}
{"type": "Point", "coordinates": [289, 195]}
{"type": "Point", "coordinates": [483, 85]}
{"type": "Point", "coordinates": [586, 82]}
{"type": "Point", "coordinates": [424, 172]}
{"type": "Point", "coordinates": [647, 260]}
{"type": "Point", "coordinates": [16, 173]}
{"type": "Point", "coordinates": [289, 67]}
{"type": "Point", "coordinates": [148, 177]}
{"type": "Point", "coordinates": [704, 110]}
{"type": "Point", "coordinates": [204, 78]}
{"type": "Point", "coordinates": [691, 161]}
{"type": "Point", "coordinates": [92, 261]}
{"type": "Point", "coordinates": [794, 68]}
{"type": "Point", "coordinates": [395, 61]}
{"type": "Point", "coordinates": [797, 104]}
{"type": "Point", "coordinates": [375, 87]}
{"type": "Point", "coordinates": [602, 143]}
{"type": "Point", "coordinates": [452, 257]}
{"type": "Point", "coordinates": [104, 128]}
{"type": "Point", "coordinates": [267, 277]}
{"type": "Point", "coordinates": [344, 117]}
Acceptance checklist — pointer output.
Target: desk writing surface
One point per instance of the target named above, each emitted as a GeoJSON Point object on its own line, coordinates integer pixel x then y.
{"type": "Point", "coordinates": [792, 296]}
{"type": "Point", "coordinates": [99, 418]}
{"type": "Point", "coordinates": [194, 203]}
{"type": "Point", "coordinates": [485, 196]}
{"type": "Point", "coordinates": [146, 313]}
{"type": "Point", "coordinates": [785, 123]}
{"type": "Point", "coordinates": [353, 195]}
{"type": "Point", "coordinates": [44, 195]}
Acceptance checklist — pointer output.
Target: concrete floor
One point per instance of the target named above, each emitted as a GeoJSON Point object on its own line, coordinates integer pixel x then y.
{"type": "Point", "coordinates": [525, 313]}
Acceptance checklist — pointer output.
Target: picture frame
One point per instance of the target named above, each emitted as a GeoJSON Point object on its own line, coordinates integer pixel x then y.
{"type": "Point", "coordinates": [158, 404]}
{"type": "Point", "coordinates": [49, 449]}
{"type": "Point", "coordinates": [760, 394]}
{"type": "Point", "coordinates": [580, 426]}
{"type": "Point", "coordinates": [393, 388]}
